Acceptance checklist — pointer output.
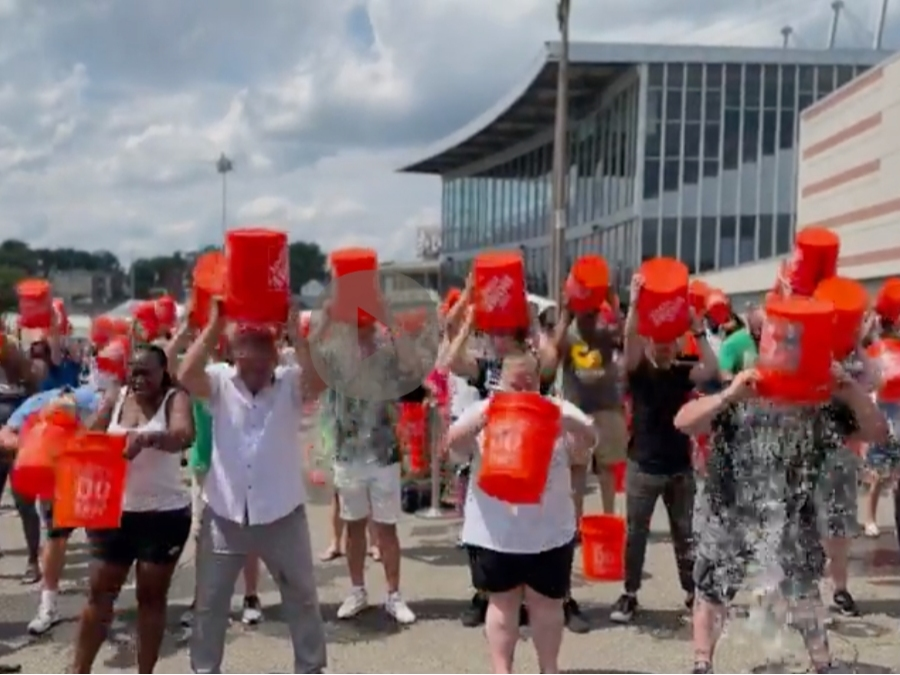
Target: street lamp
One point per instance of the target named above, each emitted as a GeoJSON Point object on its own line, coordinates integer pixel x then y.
{"type": "Point", "coordinates": [224, 166]}
{"type": "Point", "coordinates": [560, 156]}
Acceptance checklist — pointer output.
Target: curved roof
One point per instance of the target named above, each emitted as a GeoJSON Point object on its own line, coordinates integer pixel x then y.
{"type": "Point", "coordinates": [529, 107]}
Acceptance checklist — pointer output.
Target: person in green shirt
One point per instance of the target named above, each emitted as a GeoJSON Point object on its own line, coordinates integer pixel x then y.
{"type": "Point", "coordinates": [739, 350]}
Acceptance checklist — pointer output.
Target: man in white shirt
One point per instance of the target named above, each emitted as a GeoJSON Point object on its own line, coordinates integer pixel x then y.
{"type": "Point", "coordinates": [254, 491]}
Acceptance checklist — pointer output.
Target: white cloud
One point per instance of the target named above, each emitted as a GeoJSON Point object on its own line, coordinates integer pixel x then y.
{"type": "Point", "coordinates": [112, 114]}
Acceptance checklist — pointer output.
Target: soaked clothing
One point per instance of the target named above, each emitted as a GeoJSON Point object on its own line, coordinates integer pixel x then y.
{"type": "Point", "coordinates": [760, 505]}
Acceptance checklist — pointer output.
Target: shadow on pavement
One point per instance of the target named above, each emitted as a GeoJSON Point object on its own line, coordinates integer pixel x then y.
{"type": "Point", "coordinates": [441, 553]}
{"type": "Point", "coordinates": [600, 671]}
{"type": "Point", "coordinates": [860, 629]}
{"type": "Point", "coordinates": [887, 606]}
{"type": "Point", "coordinates": [839, 667]}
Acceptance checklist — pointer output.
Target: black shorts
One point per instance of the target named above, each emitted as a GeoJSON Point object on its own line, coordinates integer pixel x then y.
{"type": "Point", "coordinates": [155, 537]}
{"type": "Point", "coordinates": [547, 573]}
{"type": "Point", "coordinates": [46, 511]}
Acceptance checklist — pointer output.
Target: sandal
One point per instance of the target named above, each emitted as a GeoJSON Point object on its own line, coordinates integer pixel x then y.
{"type": "Point", "coordinates": [32, 574]}
{"type": "Point", "coordinates": [331, 553]}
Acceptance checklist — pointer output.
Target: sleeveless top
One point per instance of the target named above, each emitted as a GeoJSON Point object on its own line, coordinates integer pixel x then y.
{"type": "Point", "coordinates": [154, 477]}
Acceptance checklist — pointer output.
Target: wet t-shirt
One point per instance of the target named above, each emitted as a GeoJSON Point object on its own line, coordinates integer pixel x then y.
{"type": "Point", "coordinates": [590, 373]}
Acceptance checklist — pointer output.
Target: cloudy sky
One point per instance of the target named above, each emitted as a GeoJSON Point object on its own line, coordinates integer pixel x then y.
{"type": "Point", "coordinates": [112, 112]}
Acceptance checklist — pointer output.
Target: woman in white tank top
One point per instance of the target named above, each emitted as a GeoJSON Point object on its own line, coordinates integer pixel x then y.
{"type": "Point", "coordinates": [156, 518]}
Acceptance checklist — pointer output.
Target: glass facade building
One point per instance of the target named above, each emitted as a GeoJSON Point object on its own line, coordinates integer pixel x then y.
{"type": "Point", "coordinates": [688, 158]}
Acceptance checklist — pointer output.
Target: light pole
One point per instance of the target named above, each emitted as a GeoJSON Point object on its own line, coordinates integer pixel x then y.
{"type": "Point", "coordinates": [224, 166]}
{"type": "Point", "coordinates": [560, 156]}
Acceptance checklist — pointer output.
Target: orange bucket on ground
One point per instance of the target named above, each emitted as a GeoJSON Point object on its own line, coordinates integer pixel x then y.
{"type": "Point", "coordinates": [113, 357]}
{"type": "Point", "coordinates": [501, 304]}
{"type": "Point", "coordinates": [588, 284]}
{"type": "Point", "coordinates": [40, 441]}
{"type": "Point", "coordinates": [257, 276]}
{"type": "Point", "coordinates": [166, 311]}
{"type": "Point", "coordinates": [208, 283]}
{"type": "Point", "coordinates": [146, 321]}
{"type": "Point", "coordinates": [354, 272]}
{"type": "Point", "coordinates": [519, 439]}
{"type": "Point", "coordinates": [411, 428]}
{"type": "Point", "coordinates": [90, 481]}
{"type": "Point", "coordinates": [885, 355]}
{"type": "Point", "coordinates": [619, 472]}
{"type": "Point", "coordinates": [887, 302]}
{"type": "Point", "coordinates": [603, 547]}
{"type": "Point", "coordinates": [718, 307]}
{"type": "Point", "coordinates": [35, 303]}
{"type": "Point", "coordinates": [795, 351]}
{"type": "Point", "coordinates": [815, 258]}
{"type": "Point", "coordinates": [851, 302]}
{"type": "Point", "coordinates": [663, 308]}
{"type": "Point", "coordinates": [698, 291]}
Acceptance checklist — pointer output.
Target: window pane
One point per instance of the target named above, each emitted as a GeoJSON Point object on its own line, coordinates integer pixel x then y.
{"type": "Point", "coordinates": [671, 171]}
{"type": "Point", "coordinates": [770, 87]}
{"type": "Point", "coordinates": [693, 106]}
{"type": "Point", "coordinates": [807, 79]}
{"type": "Point", "coordinates": [695, 76]}
{"type": "Point", "coordinates": [691, 171]}
{"type": "Point", "coordinates": [651, 179]}
{"type": "Point", "coordinates": [655, 76]}
{"type": "Point", "coordinates": [714, 76]}
{"type": "Point", "coordinates": [673, 139]}
{"type": "Point", "coordinates": [786, 140]}
{"type": "Point", "coordinates": [688, 253]}
{"type": "Point", "coordinates": [710, 168]}
{"type": "Point", "coordinates": [844, 75]}
{"type": "Point", "coordinates": [649, 233]}
{"type": "Point", "coordinates": [747, 240]}
{"type": "Point", "coordinates": [692, 140]}
{"type": "Point", "coordinates": [783, 235]}
{"type": "Point", "coordinates": [732, 86]}
{"type": "Point", "coordinates": [669, 238]}
{"type": "Point", "coordinates": [654, 123]}
{"type": "Point", "coordinates": [707, 260]}
{"type": "Point", "coordinates": [765, 236]}
{"type": "Point", "coordinates": [732, 139]}
{"type": "Point", "coordinates": [752, 76]}
{"type": "Point", "coordinates": [727, 241]}
{"type": "Point", "coordinates": [751, 135]}
{"type": "Point", "coordinates": [675, 76]}
{"type": "Point", "coordinates": [674, 101]}
{"type": "Point", "coordinates": [711, 140]}
{"type": "Point", "coordinates": [713, 106]}
{"type": "Point", "coordinates": [770, 132]}
{"type": "Point", "coordinates": [825, 81]}
{"type": "Point", "coordinates": [788, 86]}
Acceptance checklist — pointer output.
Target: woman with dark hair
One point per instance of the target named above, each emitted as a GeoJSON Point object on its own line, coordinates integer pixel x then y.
{"type": "Point", "coordinates": [156, 520]}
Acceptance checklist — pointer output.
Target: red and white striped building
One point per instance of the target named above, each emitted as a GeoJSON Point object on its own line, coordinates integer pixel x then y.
{"type": "Point", "coordinates": [848, 180]}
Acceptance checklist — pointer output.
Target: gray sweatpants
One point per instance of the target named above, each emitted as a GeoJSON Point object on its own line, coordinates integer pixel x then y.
{"type": "Point", "coordinates": [284, 546]}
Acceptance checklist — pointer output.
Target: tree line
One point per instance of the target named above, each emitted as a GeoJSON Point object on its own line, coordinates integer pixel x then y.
{"type": "Point", "coordinates": [145, 278]}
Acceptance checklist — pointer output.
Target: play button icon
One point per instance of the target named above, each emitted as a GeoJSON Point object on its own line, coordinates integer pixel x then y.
{"type": "Point", "coordinates": [372, 345]}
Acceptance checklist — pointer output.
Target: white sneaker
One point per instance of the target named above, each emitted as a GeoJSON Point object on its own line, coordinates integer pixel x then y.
{"type": "Point", "coordinates": [356, 602]}
{"type": "Point", "coordinates": [396, 607]}
{"type": "Point", "coordinates": [47, 617]}
{"type": "Point", "coordinates": [872, 530]}
{"type": "Point", "coordinates": [252, 612]}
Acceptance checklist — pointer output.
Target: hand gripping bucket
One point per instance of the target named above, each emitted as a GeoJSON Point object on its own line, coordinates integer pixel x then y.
{"type": "Point", "coordinates": [35, 303]}
{"type": "Point", "coordinates": [257, 276]}
{"type": "Point", "coordinates": [518, 443]}
{"type": "Point", "coordinates": [815, 258]}
{"type": "Point", "coordinates": [411, 432]}
{"type": "Point", "coordinates": [354, 272]}
{"type": "Point", "coordinates": [588, 284]}
{"type": "Point", "coordinates": [851, 302]}
{"type": "Point", "coordinates": [795, 351]}
{"type": "Point", "coordinates": [501, 305]}
{"type": "Point", "coordinates": [40, 441]}
{"type": "Point", "coordinates": [90, 481]}
{"type": "Point", "coordinates": [663, 307]}
{"type": "Point", "coordinates": [603, 547]}
{"type": "Point", "coordinates": [885, 354]}
{"type": "Point", "coordinates": [697, 294]}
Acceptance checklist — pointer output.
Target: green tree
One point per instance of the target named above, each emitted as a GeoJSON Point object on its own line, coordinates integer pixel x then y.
{"type": "Point", "coordinates": [9, 277]}
{"type": "Point", "coordinates": [307, 262]}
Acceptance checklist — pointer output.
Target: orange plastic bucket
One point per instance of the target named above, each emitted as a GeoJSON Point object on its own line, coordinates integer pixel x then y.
{"type": "Point", "coordinates": [795, 351]}
{"type": "Point", "coordinates": [588, 284]}
{"type": "Point", "coordinates": [603, 547]}
{"type": "Point", "coordinates": [663, 308]}
{"type": "Point", "coordinates": [113, 357]}
{"type": "Point", "coordinates": [146, 321]}
{"type": "Point", "coordinates": [35, 303]}
{"type": "Point", "coordinates": [500, 298]}
{"type": "Point", "coordinates": [851, 301]}
{"type": "Point", "coordinates": [208, 283]}
{"type": "Point", "coordinates": [62, 316]}
{"type": "Point", "coordinates": [815, 258]}
{"type": "Point", "coordinates": [40, 441]}
{"type": "Point", "coordinates": [450, 300]}
{"type": "Point", "coordinates": [619, 472]}
{"type": "Point", "coordinates": [102, 330]}
{"type": "Point", "coordinates": [411, 433]}
{"type": "Point", "coordinates": [257, 276]}
{"type": "Point", "coordinates": [718, 306]}
{"type": "Point", "coordinates": [887, 302]}
{"type": "Point", "coordinates": [166, 311]}
{"type": "Point", "coordinates": [519, 439]}
{"type": "Point", "coordinates": [885, 354]}
{"type": "Point", "coordinates": [355, 275]}
{"type": "Point", "coordinates": [698, 291]}
{"type": "Point", "coordinates": [90, 482]}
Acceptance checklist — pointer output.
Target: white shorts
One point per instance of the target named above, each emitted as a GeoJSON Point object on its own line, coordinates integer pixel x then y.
{"type": "Point", "coordinates": [368, 491]}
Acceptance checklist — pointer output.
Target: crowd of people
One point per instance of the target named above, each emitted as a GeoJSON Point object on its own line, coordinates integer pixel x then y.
{"type": "Point", "coordinates": [773, 497]}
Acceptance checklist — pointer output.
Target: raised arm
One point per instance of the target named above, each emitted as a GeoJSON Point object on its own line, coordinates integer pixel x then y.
{"type": "Point", "coordinates": [192, 370]}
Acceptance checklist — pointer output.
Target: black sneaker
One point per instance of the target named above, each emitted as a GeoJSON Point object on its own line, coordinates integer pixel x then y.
{"type": "Point", "coordinates": [624, 609]}
{"type": "Point", "coordinates": [474, 614]}
{"type": "Point", "coordinates": [702, 667]}
{"type": "Point", "coordinates": [575, 620]}
{"type": "Point", "coordinates": [845, 604]}
{"type": "Point", "coordinates": [524, 619]}
{"type": "Point", "coordinates": [689, 602]}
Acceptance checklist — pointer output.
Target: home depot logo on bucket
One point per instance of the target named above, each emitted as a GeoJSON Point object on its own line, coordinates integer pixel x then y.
{"type": "Point", "coordinates": [497, 293]}
{"type": "Point", "coordinates": [394, 361]}
{"type": "Point", "coordinates": [779, 345]}
{"type": "Point", "coordinates": [280, 272]}
{"type": "Point", "coordinates": [93, 488]}
{"type": "Point", "coordinates": [668, 312]}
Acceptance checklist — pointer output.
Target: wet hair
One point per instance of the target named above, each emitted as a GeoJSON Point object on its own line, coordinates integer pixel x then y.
{"type": "Point", "coordinates": [168, 382]}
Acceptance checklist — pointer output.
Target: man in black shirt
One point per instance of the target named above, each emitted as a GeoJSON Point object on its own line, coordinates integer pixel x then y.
{"type": "Point", "coordinates": [659, 456]}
